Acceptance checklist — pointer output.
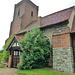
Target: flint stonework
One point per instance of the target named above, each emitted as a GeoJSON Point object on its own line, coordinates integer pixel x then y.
{"type": "Point", "coordinates": [63, 59]}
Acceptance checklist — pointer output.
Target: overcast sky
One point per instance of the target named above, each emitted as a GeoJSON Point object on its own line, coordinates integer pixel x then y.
{"type": "Point", "coordinates": [46, 7]}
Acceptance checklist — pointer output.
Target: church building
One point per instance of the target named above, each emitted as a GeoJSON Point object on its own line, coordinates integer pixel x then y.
{"type": "Point", "coordinates": [58, 27]}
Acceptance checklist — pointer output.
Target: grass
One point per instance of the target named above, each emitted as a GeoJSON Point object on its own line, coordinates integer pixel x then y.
{"type": "Point", "coordinates": [39, 72]}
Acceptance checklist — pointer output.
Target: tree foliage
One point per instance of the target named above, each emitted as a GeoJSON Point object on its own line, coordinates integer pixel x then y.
{"type": "Point", "coordinates": [6, 53]}
{"type": "Point", "coordinates": [36, 50]}
{"type": "Point", "coordinates": [1, 55]}
{"type": "Point", "coordinates": [1, 51]}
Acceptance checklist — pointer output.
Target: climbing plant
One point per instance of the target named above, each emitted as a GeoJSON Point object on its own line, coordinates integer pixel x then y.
{"type": "Point", "coordinates": [6, 53]}
{"type": "Point", "coordinates": [36, 50]}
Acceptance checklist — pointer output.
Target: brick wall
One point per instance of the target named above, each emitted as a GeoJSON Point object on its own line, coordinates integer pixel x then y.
{"type": "Point", "coordinates": [24, 17]}
{"type": "Point", "coordinates": [48, 31]}
{"type": "Point", "coordinates": [62, 50]}
{"type": "Point", "coordinates": [28, 18]}
{"type": "Point", "coordinates": [19, 37]}
{"type": "Point", "coordinates": [62, 40]}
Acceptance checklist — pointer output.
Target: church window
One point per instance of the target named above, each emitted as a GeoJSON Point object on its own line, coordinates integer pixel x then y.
{"type": "Point", "coordinates": [18, 12]}
{"type": "Point", "coordinates": [32, 14]}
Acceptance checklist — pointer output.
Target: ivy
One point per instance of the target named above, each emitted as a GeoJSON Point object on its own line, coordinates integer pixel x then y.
{"type": "Point", "coordinates": [6, 53]}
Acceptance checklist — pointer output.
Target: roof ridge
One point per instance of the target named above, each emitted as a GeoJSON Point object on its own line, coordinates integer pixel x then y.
{"type": "Point", "coordinates": [58, 11]}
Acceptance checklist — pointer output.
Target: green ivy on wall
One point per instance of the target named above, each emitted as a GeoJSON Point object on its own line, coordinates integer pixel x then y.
{"type": "Point", "coordinates": [6, 53]}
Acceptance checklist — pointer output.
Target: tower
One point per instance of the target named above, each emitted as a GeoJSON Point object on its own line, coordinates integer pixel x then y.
{"type": "Point", "coordinates": [24, 13]}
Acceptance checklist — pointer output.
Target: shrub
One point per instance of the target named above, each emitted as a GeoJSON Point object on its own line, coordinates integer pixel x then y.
{"type": "Point", "coordinates": [1, 55]}
{"type": "Point", "coordinates": [1, 51]}
{"type": "Point", "coordinates": [36, 50]}
{"type": "Point", "coordinates": [1, 65]}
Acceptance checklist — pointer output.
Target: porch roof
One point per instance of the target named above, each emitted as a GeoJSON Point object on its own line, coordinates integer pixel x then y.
{"type": "Point", "coordinates": [10, 45]}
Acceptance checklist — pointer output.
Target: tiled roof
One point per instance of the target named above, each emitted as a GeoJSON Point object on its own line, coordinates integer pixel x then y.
{"type": "Point", "coordinates": [51, 19]}
{"type": "Point", "coordinates": [28, 28]}
{"type": "Point", "coordinates": [57, 17]}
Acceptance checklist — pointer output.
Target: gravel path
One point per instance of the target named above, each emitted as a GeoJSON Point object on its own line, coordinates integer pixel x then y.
{"type": "Point", "coordinates": [8, 71]}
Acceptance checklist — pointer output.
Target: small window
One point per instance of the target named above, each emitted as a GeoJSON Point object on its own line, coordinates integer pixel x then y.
{"type": "Point", "coordinates": [17, 53]}
{"type": "Point", "coordinates": [32, 14]}
{"type": "Point", "coordinates": [18, 12]}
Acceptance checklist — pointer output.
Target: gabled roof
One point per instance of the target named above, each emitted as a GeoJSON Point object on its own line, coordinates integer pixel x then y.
{"type": "Point", "coordinates": [11, 43]}
{"type": "Point", "coordinates": [52, 19]}
{"type": "Point", "coordinates": [57, 17]}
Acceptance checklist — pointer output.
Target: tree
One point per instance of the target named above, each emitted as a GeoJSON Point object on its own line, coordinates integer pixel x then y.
{"type": "Point", "coordinates": [1, 55]}
{"type": "Point", "coordinates": [1, 51]}
{"type": "Point", "coordinates": [36, 50]}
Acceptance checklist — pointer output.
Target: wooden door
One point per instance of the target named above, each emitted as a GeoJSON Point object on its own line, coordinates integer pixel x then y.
{"type": "Point", "coordinates": [16, 60]}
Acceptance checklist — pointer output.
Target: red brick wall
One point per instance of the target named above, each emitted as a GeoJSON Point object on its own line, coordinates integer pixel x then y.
{"type": "Point", "coordinates": [19, 37]}
{"type": "Point", "coordinates": [25, 10]}
{"type": "Point", "coordinates": [62, 40]}
{"type": "Point", "coordinates": [27, 19]}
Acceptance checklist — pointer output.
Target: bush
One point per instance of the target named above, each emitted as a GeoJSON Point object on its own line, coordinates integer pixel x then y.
{"type": "Point", "coordinates": [1, 65]}
{"type": "Point", "coordinates": [1, 55]}
{"type": "Point", "coordinates": [1, 51]}
{"type": "Point", "coordinates": [36, 50]}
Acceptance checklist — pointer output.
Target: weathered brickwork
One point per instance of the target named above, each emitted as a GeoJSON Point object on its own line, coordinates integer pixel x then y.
{"type": "Point", "coordinates": [62, 51]}
{"type": "Point", "coordinates": [22, 15]}
{"type": "Point", "coordinates": [63, 59]}
{"type": "Point", "coordinates": [62, 40]}
{"type": "Point", "coordinates": [48, 31]}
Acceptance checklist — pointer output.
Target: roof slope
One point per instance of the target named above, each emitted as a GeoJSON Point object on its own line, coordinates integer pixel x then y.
{"type": "Point", "coordinates": [57, 17]}
{"type": "Point", "coordinates": [51, 19]}
{"type": "Point", "coordinates": [28, 27]}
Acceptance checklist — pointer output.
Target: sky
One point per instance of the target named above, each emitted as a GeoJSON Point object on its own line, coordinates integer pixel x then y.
{"type": "Point", "coordinates": [46, 7]}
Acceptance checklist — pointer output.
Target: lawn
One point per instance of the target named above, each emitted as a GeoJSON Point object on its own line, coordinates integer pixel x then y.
{"type": "Point", "coordinates": [40, 72]}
